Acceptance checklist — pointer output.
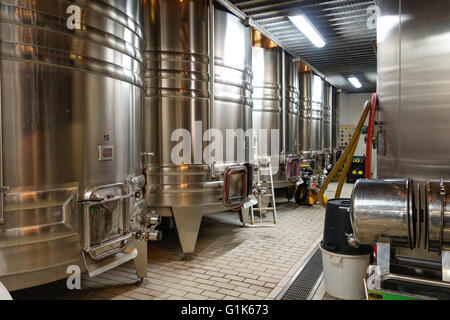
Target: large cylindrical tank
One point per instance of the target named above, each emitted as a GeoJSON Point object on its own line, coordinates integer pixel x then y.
{"type": "Point", "coordinates": [328, 109]}
{"type": "Point", "coordinates": [335, 118]}
{"type": "Point", "coordinates": [317, 115]}
{"type": "Point", "coordinates": [71, 133]}
{"type": "Point", "coordinates": [267, 110]}
{"type": "Point", "coordinates": [305, 116]}
{"type": "Point", "coordinates": [233, 106]}
{"type": "Point", "coordinates": [292, 107]}
{"type": "Point", "coordinates": [177, 99]}
{"type": "Point", "coordinates": [183, 123]}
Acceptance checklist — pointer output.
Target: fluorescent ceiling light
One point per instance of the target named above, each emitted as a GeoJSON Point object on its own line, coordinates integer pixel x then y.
{"type": "Point", "coordinates": [307, 28]}
{"type": "Point", "coordinates": [355, 82]}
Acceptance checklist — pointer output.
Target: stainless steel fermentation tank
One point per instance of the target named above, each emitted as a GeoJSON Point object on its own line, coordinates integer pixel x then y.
{"type": "Point", "coordinates": [276, 122]}
{"type": "Point", "coordinates": [330, 127]}
{"type": "Point", "coordinates": [305, 81]}
{"type": "Point", "coordinates": [317, 115]}
{"type": "Point", "coordinates": [291, 125]}
{"type": "Point", "coordinates": [267, 108]}
{"type": "Point", "coordinates": [70, 165]}
{"type": "Point", "coordinates": [328, 116]}
{"type": "Point", "coordinates": [181, 38]}
{"type": "Point", "coordinates": [292, 122]}
{"type": "Point", "coordinates": [335, 136]}
{"type": "Point", "coordinates": [233, 105]}
{"type": "Point", "coordinates": [315, 119]}
{"type": "Point", "coordinates": [318, 151]}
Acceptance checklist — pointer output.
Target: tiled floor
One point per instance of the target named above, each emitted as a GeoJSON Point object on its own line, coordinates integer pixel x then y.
{"type": "Point", "coordinates": [231, 262]}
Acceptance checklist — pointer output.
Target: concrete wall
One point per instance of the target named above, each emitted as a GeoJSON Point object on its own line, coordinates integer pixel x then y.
{"type": "Point", "coordinates": [351, 109]}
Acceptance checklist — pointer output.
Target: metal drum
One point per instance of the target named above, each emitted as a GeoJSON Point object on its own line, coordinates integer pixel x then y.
{"type": "Point", "coordinates": [71, 137]}
{"type": "Point", "coordinates": [292, 108]}
{"type": "Point", "coordinates": [438, 216]}
{"type": "Point", "coordinates": [384, 211]}
{"type": "Point", "coordinates": [267, 110]}
{"type": "Point", "coordinates": [305, 113]}
{"type": "Point", "coordinates": [233, 106]}
{"type": "Point", "coordinates": [182, 183]}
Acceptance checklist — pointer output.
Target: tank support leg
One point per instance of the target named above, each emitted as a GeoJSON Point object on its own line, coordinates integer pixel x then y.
{"type": "Point", "coordinates": [245, 216]}
{"type": "Point", "coordinates": [140, 262]}
{"type": "Point", "coordinates": [188, 221]}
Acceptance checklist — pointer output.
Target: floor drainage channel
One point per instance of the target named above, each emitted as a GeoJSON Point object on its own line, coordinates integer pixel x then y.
{"type": "Point", "coordinates": [307, 280]}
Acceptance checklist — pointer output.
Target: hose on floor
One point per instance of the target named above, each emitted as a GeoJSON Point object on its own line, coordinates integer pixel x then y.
{"type": "Point", "coordinates": [346, 159]}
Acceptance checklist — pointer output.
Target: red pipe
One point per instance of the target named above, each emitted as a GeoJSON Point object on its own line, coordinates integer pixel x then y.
{"type": "Point", "coordinates": [373, 110]}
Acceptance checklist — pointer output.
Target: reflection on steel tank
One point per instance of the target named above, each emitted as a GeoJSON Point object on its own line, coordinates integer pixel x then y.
{"type": "Point", "coordinates": [179, 95]}
{"type": "Point", "coordinates": [71, 139]}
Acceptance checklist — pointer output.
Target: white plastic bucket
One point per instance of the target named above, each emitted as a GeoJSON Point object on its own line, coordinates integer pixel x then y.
{"type": "Point", "coordinates": [344, 275]}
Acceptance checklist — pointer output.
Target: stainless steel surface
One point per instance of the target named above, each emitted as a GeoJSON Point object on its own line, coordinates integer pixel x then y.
{"type": "Point", "coordinates": [446, 266]}
{"type": "Point", "coordinates": [438, 216]}
{"type": "Point", "coordinates": [328, 111]}
{"type": "Point", "coordinates": [413, 94]}
{"type": "Point", "coordinates": [335, 124]}
{"type": "Point", "coordinates": [233, 85]}
{"type": "Point", "coordinates": [398, 277]}
{"type": "Point", "coordinates": [181, 36]}
{"type": "Point", "coordinates": [305, 113]}
{"type": "Point", "coordinates": [251, 22]}
{"type": "Point", "coordinates": [348, 26]}
{"type": "Point", "coordinates": [267, 110]}
{"type": "Point", "coordinates": [292, 119]}
{"type": "Point", "coordinates": [317, 115]}
{"type": "Point", "coordinates": [413, 89]}
{"type": "Point", "coordinates": [177, 81]}
{"type": "Point", "coordinates": [2, 185]}
{"type": "Point", "coordinates": [177, 97]}
{"type": "Point", "coordinates": [384, 211]}
{"type": "Point", "coordinates": [283, 103]}
{"type": "Point", "coordinates": [69, 92]}
{"type": "Point", "coordinates": [212, 69]}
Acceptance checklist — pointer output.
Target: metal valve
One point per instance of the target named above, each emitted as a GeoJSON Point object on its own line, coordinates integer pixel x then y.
{"type": "Point", "coordinates": [154, 235]}
{"type": "Point", "coordinates": [153, 220]}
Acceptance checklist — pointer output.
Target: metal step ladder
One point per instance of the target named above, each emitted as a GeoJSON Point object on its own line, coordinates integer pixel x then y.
{"type": "Point", "coordinates": [263, 206]}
